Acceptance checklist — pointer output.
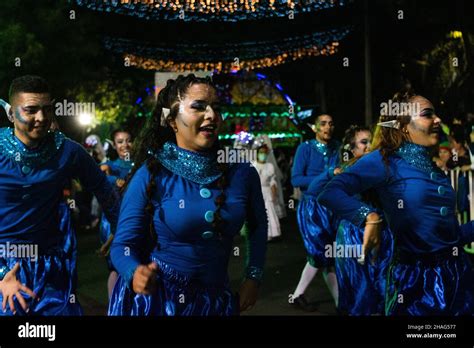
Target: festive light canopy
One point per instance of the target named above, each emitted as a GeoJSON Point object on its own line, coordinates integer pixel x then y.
{"type": "Point", "coordinates": [209, 10]}
{"type": "Point", "coordinates": [227, 57]}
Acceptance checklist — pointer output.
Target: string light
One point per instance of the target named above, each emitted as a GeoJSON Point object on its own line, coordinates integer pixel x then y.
{"type": "Point", "coordinates": [207, 10]}
{"type": "Point", "coordinates": [222, 58]}
{"type": "Point", "coordinates": [220, 66]}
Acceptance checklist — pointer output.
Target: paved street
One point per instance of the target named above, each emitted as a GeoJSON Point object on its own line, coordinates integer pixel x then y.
{"type": "Point", "coordinates": [285, 260]}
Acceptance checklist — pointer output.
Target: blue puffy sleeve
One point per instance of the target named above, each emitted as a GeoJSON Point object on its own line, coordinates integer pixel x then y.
{"type": "Point", "coordinates": [339, 195]}
{"type": "Point", "coordinates": [132, 226]}
{"type": "Point", "coordinates": [318, 183]}
{"type": "Point", "coordinates": [300, 164]}
{"type": "Point", "coordinates": [257, 224]}
{"type": "Point", "coordinates": [95, 181]}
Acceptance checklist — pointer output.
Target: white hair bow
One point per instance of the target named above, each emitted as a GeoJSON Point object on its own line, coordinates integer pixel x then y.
{"type": "Point", "coordinates": [390, 124]}
{"type": "Point", "coordinates": [7, 108]}
{"type": "Point", "coordinates": [164, 114]}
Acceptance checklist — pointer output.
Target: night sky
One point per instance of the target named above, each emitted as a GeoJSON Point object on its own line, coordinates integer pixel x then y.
{"type": "Point", "coordinates": [396, 46]}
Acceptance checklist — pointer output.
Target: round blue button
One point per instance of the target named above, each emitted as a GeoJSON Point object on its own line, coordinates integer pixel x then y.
{"type": "Point", "coordinates": [26, 169]}
{"type": "Point", "coordinates": [326, 166]}
{"type": "Point", "coordinates": [209, 216]}
{"type": "Point", "coordinates": [25, 197]}
{"type": "Point", "coordinates": [205, 193]}
{"type": "Point", "coordinates": [441, 190]}
{"type": "Point", "coordinates": [326, 159]}
{"type": "Point", "coordinates": [433, 176]}
{"type": "Point", "coordinates": [443, 211]}
{"type": "Point", "coordinates": [207, 234]}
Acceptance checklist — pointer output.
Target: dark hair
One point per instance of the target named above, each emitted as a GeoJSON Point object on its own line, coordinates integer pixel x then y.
{"type": "Point", "coordinates": [28, 84]}
{"type": "Point", "coordinates": [316, 120]}
{"type": "Point", "coordinates": [263, 146]}
{"type": "Point", "coordinates": [386, 139]}
{"type": "Point", "coordinates": [153, 136]}
{"type": "Point", "coordinates": [458, 134]}
{"type": "Point", "coordinates": [118, 130]}
{"type": "Point", "coordinates": [348, 142]}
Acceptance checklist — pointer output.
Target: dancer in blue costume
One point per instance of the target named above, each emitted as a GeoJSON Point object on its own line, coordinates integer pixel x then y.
{"type": "Point", "coordinates": [194, 206]}
{"type": "Point", "coordinates": [35, 165]}
{"type": "Point", "coordinates": [361, 286]}
{"type": "Point", "coordinates": [430, 273]}
{"type": "Point", "coordinates": [316, 223]}
{"type": "Point", "coordinates": [117, 171]}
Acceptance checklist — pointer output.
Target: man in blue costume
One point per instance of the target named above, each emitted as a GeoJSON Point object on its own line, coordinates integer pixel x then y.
{"type": "Point", "coordinates": [35, 165]}
{"type": "Point", "coordinates": [315, 222]}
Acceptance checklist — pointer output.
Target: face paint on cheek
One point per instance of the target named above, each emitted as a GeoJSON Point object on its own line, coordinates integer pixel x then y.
{"type": "Point", "coordinates": [421, 129]}
{"type": "Point", "coordinates": [19, 117]}
{"type": "Point", "coordinates": [181, 112]}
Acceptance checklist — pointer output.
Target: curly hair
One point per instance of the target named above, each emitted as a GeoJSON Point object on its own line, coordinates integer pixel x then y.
{"type": "Point", "coordinates": [386, 139]}
{"type": "Point", "coordinates": [153, 136]}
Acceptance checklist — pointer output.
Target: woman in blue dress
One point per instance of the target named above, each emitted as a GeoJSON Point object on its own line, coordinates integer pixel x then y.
{"type": "Point", "coordinates": [117, 171]}
{"type": "Point", "coordinates": [361, 286]}
{"type": "Point", "coordinates": [317, 225]}
{"type": "Point", "coordinates": [430, 273]}
{"type": "Point", "coordinates": [194, 206]}
{"type": "Point", "coordinates": [35, 165]}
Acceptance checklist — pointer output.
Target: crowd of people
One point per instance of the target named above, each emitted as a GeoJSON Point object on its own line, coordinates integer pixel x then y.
{"type": "Point", "coordinates": [168, 211]}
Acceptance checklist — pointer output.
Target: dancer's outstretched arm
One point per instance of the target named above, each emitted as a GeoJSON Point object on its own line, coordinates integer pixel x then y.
{"type": "Point", "coordinates": [132, 226]}
{"type": "Point", "coordinates": [339, 195]}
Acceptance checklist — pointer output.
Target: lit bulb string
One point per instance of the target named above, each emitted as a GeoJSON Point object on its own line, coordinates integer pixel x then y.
{"type": "Point", "coordinates": [172, 66]}
{"type": "Point", "coordinates": [207, 10]}
{"type": "Point", "coordinates": [226, 52]}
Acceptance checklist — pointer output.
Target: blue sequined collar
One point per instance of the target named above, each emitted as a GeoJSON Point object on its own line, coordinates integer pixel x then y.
{"type": "Point", "coordinates": [198, 167]}
{"type": "Point", "coordinates": [11, 146]}
{"type": "Point", "coordinates": [416, 155]}
{"type": "Point", "coordinates": [325, 149]}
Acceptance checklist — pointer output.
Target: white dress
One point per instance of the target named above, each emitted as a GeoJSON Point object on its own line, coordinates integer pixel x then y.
{"type": "Point", "coordinates": [266, 171]}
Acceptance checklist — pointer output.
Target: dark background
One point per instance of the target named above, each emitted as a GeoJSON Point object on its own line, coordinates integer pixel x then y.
{"type": "Point", "coordinates": [70, 54]}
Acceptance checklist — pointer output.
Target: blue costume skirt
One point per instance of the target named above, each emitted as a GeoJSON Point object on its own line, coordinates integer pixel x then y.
{"type": "Point", "coordinates": [361, 287]}
{"type": "Point", "coordinates": [318, 229]}
{"type": "Point", "coordinates": [441, 285]}
{"type": "Point", "coordinates": [176, 295]}
{"type": "Point", "coordinates": [52, 277]}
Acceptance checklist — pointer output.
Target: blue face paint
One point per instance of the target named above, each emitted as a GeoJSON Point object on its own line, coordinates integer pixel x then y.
{"type": "Point", "coordinates": [19, 117]}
